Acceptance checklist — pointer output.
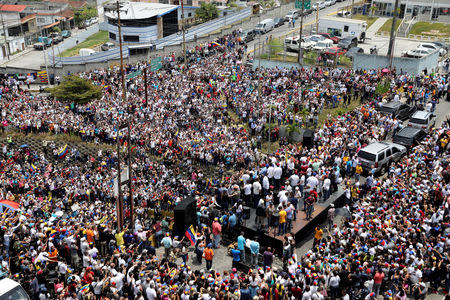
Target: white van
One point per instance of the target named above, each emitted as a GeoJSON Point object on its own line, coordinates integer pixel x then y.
{"type": "Point", "coordinates": [9, 289]}
{"type": "Point", "coordinates": [265, 26]}
{"type": "Point", "coordinates": [86, 52]}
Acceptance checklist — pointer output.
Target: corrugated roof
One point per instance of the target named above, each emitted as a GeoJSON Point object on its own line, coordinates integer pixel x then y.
{"type": "Point", "coordinates": [12, 7]}
{"type": "Point", "coordinates": [141, 10]}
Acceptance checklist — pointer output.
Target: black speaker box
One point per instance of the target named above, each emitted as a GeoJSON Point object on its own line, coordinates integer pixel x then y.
{"type": "Point", "coordinates": [185, 215]}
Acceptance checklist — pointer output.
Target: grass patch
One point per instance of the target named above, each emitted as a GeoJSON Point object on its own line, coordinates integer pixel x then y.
{"type": "Point", "coordinates": [340, 110]}
{"type": "Point", "coordinates": [95, 40]}
{"type": "Point", "coordinates": [368, 19]}
{"type": "Point", "coordinates": [387, 26]}
{"type": "Point", "coordinates": [432, 29]}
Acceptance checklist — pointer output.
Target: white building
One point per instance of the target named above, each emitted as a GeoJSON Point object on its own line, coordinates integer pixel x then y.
{"type": "Point", "coordinates": [434, 10]}
{"type": "Point", "coordinates": [142, 22]}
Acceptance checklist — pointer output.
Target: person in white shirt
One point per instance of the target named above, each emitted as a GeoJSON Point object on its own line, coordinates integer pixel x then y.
{"type": "Point", "coordinates": [151, 292]}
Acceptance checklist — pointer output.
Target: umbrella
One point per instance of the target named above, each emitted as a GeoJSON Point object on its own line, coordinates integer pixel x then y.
{"type": "Point", "coordinates": [10, 205]}
{"type": "Point", "coordinates": [385, 70]}
{"type": "Point", "coordinates": [24, 146]}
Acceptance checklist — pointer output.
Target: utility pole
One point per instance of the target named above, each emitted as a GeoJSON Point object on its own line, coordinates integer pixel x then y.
{"type": "Point", "coordinates": [300, 52]}
{"type": "Point", "coordinates": [4, 34]}
{"type": "Point", "coordinates": [317, 18]}
{"type": "Point", "coordinates": [119, 203]}
{"type": "Point", "coordinates": [130, 182]}
{"type": "Point", "coordinates": [145, 85]}
{"type": "Point", "coordinates": [184, 36]}
{"type": "Point", "coordinates": [351, 11]}
{"type": "Point", "coordinates": [122, 72]}
{"type": "Point", "coordinates": [259, 62]}
{"type": "Point", "coordinates": [390, 52]}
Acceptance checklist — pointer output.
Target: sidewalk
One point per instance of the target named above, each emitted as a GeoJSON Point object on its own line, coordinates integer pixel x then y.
{"type": "Point", "coordinates": [13, 57]}
{"type": "Point", "coordinates": [375, 27]}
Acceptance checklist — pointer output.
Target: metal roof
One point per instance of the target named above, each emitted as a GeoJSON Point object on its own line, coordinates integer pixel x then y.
{"type": "Point", "coordinates": [141, 10]}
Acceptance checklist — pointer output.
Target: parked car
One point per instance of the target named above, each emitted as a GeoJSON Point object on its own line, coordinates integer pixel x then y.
{"type": "Point", "coordinates": [378, 156]}
{"type": "Point", "coordinates": [247, 36]}
{"type": "Point", "coordinates": [320, 4]}
{"type": "Point", "coordinates": [409, 136]}
{"type": "Point", "coordinates": [293, 14]}
{"type": "Point", "coordinates": [344, 14]}
{"type": "Point", "coordinates": [351, 52]}
{"type": "Point", "coordinates": [107, 46]}
{"type": "Point", "coordinates": [66, 33]}
{"type": "Point", "coordinates": [56, 37]}
{"type": "Point", "coordinates": [422, 119]}
{"type": "Point", "coordinates": [397, 109]}
{"type": "Point", "coordinates": [316, 38]}
{"type": "Point", "coordinates": [93, 20]}
{"type": "Point", "coordinates": [432, 47]}
{"type": "Point", "coordinates": [330, 36]}
{"type": "Point", "coordinates": [279, 22]}
{"type": "Point", "coordinates": [10, 289]}
{"type": "Point", "coordinates": [336, 51]}
{"type": "Point", "coordinates": [322, 45]}
{"type": "Point", "coordinates": [291, 43]}
{"type": "Point", "coordinates": [348, 42]}
{"type": "Point", "coordinates": [39, 46]}
{"type": "Point", "coordinates": [330, 2]}
{"type": "Point", "coordinates": [417, 53]}
{"type": "Point", "coordinates": [442, 45]}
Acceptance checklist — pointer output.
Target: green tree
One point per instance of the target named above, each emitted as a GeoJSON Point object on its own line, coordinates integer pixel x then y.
{"type": "Point", "coordinates": [82, 14]}
{"type": "Point", "coordinates": [76, 89]}
{"type": "Point", "coordinates": [55, 29]}
{"type": "Point", "coordinates": [206, 12]}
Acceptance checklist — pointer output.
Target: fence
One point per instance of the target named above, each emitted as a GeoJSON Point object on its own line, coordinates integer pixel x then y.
{"type": "Point", "coordinates": [409, 65]}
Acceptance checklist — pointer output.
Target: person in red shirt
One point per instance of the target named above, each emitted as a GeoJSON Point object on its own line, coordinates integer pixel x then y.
{"type": "Point", "coordinates": [377, 281]}
{"type": "Point", "coordinates": [217, 232]}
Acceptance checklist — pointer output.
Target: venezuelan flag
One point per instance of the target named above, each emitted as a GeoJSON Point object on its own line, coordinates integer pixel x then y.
{"type": "Point", "coordinates": [191, 235]}
{"type": "Point", "coordinates": [33, 167]}
{"type": "Point", "coordinates": [85, 289]}
{"type": "Point", "coordinates": [63, 152]}
{"type": "Point", "coordinates": [215, 44]}
{"type": "Point", "coordinates": [209, 140]}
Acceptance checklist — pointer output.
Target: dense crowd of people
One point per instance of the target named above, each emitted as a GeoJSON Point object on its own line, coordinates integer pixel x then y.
{"type": "Point", "coordinates": [200, 134]}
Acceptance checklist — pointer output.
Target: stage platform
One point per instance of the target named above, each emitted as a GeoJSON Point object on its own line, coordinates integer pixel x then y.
{"type": "Point", "coordinates": [301, 228]}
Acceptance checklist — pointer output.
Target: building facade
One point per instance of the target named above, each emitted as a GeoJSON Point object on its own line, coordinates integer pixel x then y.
{"type": "Point", "coordinates": [431, 10]}
{"type": "Point", "coordinates": [17, 31]}
{"type": "Point", "coordinates": [142, 22]}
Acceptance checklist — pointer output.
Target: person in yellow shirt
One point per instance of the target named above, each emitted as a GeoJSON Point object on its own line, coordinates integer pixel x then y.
{"type": "Point", "coordinates": [358, 171]}
{"type": "Point", "coordinates": [119, 237]}
{"type": "Point", "coordinates": [282, 221]}
{"type": "Point", "coordinates": [318, 236]}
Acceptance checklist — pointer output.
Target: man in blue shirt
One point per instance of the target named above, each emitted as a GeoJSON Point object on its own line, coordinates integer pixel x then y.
{"type": "Point", "coordinates": [236, 256]}
{"type": "Point", "coordinates": [254, 248]}
{"type": "Point", "coordinates": [241, 246]}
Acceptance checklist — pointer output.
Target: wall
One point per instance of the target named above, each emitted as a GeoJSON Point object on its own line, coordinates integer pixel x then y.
{"type": "Point", "coordinates": [146, 34]}
{"type": "Point", "coordinates": [408, 65]}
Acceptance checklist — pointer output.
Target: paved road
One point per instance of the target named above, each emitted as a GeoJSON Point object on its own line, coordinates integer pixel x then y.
{"type": "Point", "coordinates": [36, 58]}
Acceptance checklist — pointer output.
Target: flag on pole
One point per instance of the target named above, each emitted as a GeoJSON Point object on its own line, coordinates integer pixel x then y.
{"type": "Point", "coordinates": [190, 234]}
{"type": "Point", "coordinates": [63, 152]}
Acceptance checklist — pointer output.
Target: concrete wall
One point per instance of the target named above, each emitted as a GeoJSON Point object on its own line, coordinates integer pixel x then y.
{"type": "Point", "coordinates": [408, 65]}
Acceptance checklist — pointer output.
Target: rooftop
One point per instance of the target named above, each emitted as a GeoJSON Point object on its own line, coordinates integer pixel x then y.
{"type": "Point", "coordinates": [141, 10]}
{"type": "Point", "coordinates": [12, 7]}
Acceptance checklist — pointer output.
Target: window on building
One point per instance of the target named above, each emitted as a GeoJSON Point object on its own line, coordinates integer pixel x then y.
{"type": "Point", "coordinates": [189, 3]}
{"type": "Point", "coordinates": [189, 15]}
{"type": "Point", "coordinates": [112, 36]}
{"type": "Point", "coordinates": [41, 20]}
{"type": "Point", "coordinates": [345, 28]}
{"type": "Point", "coordinates": [131, 38]}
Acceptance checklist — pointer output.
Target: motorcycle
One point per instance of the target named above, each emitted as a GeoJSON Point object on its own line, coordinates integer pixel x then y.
{"type": "Point", "coordinates": [374, 50]}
